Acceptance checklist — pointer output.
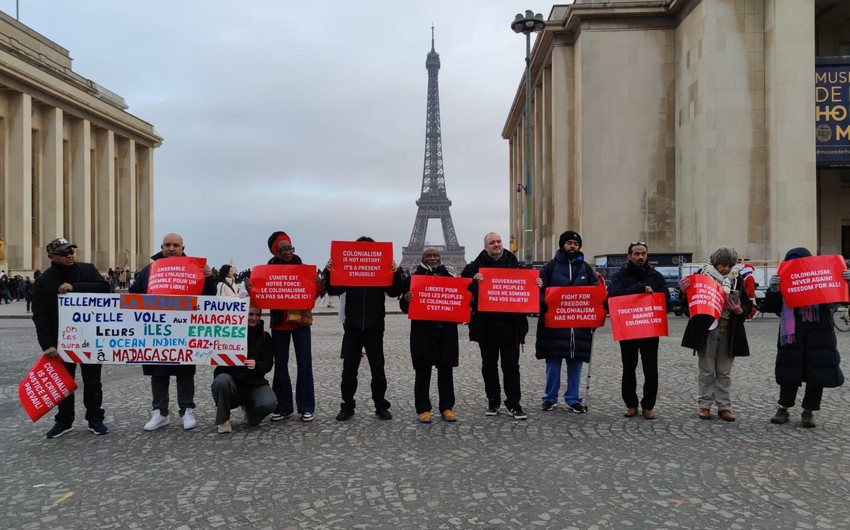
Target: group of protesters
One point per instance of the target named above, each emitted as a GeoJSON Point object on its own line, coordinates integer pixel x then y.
{"type": "Point", "coordinates": [806, 348]}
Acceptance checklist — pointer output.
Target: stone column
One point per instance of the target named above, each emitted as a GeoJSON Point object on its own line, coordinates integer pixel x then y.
{"type": "Point", "coordinates": [80, 192]}
{"type": "Point", "coordinates": [104, 231]}
{"type": "Point", "coordinates": [52, 186]}
{"type": "Point", "coordinates": [144, 200]}
{"type": "Point", "coordinates": [127, 205]}
{"type": "Point", "coordinates": [19, 184]}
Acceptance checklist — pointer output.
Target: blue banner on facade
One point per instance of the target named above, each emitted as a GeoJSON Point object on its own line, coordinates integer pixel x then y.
{"type": "Point", "coordinates": [832, 112]}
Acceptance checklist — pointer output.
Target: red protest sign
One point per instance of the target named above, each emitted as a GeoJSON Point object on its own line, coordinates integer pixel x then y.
{"type": "Point", "coordinates": [813, 280]}
{"type": "Point", "coordinates": [283, 286]}
{"type": "Point", "coordinates": [178, 275]}
{"type": "Point", "coordinates": [439, 298]}
{"type": "Point", "coordinates": [638, 316]}
{"type": "Point", "coordinates": [509, 291]}
{"type": "Point", "coordinates": [705, 296]}
{"type": "Point", "coordinates": [575, 307]}
{"type": "Point", "coordinates": [362, 264]}
{"type": "Point", "coordinates": [46, 384]}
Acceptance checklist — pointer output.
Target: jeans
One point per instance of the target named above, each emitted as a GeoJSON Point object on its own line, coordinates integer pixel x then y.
{"type": "Point", "coordinates": [553, 381]}
{"type": "Point", "coordinates": [501, 342]}
{"type": "Point", "coordinates": [305, 397]}
{"type": "Point", "coordinates": [353, 343]}
{"type": "Point", "coordinates": [259, 400]}
{"type": "Point", "coordinates": [185, 392]}
{"type": "Point", "coordinates": [92, 394]}
{"type": "Point", "coordinates": [647, 349]}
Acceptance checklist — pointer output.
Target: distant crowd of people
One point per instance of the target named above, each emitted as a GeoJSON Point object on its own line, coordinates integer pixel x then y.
{"type": "Point", "coordinates": [806, 347]}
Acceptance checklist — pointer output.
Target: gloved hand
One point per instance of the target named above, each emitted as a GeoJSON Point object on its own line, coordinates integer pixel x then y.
{"type": "Point", "coordinates": [685, 282]}
{"type": "Point", "coordinates": [774, 282]}
{"type": "Point", "coordinates": [846, 275]}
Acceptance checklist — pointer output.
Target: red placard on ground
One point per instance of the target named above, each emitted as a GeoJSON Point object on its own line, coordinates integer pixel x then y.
{"type": "Point", "coordinates": [46, 384]}
{"type": "Point", "coordinates": [178, 275]}
{"type": "Point", "coordinates": [283, 286]}
{"type": "Point", "coordinates": [638, 316]}
{"type": "Point", "coordinates": [362, 264]}
{"type": "Point", "coordinates": [575, 307]}
{"type": "Point", "coordinates": [705, 296]}
{"type": "Point", "coordinates": [813, 280]}
{"type": "Point", "coordinates": [439, 298]}
{"type": "Point", "coordinates": [509, 291]}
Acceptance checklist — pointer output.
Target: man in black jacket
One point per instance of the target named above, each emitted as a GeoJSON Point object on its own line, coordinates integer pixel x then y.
{"type": "Point", "coordinates": [172, 246]}
{"type": "Point", "coordinates": [246, 386]}
{"type": "Point", "coordinates": [364, 329]}
{"type": "Point", "coordinates": [497, 334]}
{"type": "Point", "coordinates": [636, 277]}
{"type": "Point", "coordinates": [66, 276]}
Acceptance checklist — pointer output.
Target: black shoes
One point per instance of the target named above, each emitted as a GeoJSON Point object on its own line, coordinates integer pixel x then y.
{"type": "Point", "coordinates": [546, 406]}
{"type": "Point", "coordinates": [781, 416]}
{"type": "Point", "coordinates": [808, 419]}
{"type": "Point", "coordinates": [58, 430]}
{"type": "Point", "coordinates": [383, 414]}
{"type": "Point", "coordinates": [344, 414]}
{"type": "Point", "coordinates": [518, 413]}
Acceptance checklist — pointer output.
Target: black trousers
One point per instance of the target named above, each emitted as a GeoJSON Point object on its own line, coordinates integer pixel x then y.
{"type": "Point", "coordinates": [647, 350]}
{"type": "Point", "coordinates": [811, 397]}
{"type": "Point", "coordinates": [185, 392]}
{"type": "Point", "coordinates": [353, 344]}
{"type": "Point", "coordinates": [259, 400]}
{"type": "Point", "coordinates": [500, 343]}
{"type": "Point", "coordinates": [92, 394]}
{"type": "Point", "coordinates": [422, 389]}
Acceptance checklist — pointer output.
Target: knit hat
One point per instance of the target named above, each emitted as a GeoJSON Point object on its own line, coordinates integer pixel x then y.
{"type": "Point", "coordinates": [276, 239]}
{"type": "Point", "coordinates": [569, 235]}
{"type": "Point", "coordinates": [724, 256]}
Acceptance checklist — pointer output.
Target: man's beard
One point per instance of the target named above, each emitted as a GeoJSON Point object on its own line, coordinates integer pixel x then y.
{"type": "Point", "coordinates": [571, 254]}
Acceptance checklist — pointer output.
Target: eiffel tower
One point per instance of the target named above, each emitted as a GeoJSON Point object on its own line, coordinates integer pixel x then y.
{"type": "Point", "coordinates": [433, 203]}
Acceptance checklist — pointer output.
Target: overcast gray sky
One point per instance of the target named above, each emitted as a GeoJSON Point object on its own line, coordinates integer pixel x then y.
{"type": "Point", "coordinates": [307, 117]}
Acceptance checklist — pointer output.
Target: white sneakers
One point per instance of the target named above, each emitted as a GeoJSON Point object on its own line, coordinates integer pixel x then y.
{"type": "Point", "coordinates": [157, 420]}
{"type": "Point", "coordinates": [189, 419]}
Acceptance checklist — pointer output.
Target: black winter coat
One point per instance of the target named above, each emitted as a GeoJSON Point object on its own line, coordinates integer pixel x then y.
{"type": "Point", "coordinates": [696, 332]}
{"type": "Point", "coordinates": [432, 343]}
{"type": "Point", "coordinates": [140, 286]}
{"type": "Point", "coordinates": [365, 306]}
{"type": "Point", "coordinates": [813, 356]}
{"type": "Point", "coordinates": [84, 277]}
{"type": "Point", "coordinates": [261, 349]}
{"type": "Point", "coordinates": [564, 343]}
{"type": "Point", "coordinates": [482, 322]}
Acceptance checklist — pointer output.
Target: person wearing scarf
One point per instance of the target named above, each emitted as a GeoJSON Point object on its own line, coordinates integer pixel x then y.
{"type": "Point", "coordinates": [432, 343]}
{"type": "Point", "coordinates": [806, 350]}
{"type": "Point", "coordinates": [718, 342]}
{"type": "Point", "coordinates": [226, 285]}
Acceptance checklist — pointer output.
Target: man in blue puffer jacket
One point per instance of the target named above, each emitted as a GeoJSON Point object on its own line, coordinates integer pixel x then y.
{"type": "Point", "coordinates": [566, 269]}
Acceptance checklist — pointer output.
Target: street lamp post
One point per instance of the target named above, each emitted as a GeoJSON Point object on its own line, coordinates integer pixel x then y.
{"type": "Point", "coordinates": [527, 24]}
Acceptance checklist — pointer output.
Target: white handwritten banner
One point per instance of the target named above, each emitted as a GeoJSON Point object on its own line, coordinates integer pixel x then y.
{"type": "Point", "coordinates": [152, 329]}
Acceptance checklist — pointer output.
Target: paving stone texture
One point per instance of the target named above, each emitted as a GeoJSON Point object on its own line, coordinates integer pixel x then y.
{"type": "Point", "coordinates": [555, 470]}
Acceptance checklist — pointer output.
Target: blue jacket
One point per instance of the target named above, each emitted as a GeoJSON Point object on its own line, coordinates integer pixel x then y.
{"type": "Point", "coordinates": [564, 343]}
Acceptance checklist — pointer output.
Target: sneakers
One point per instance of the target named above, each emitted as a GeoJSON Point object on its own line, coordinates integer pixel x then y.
{"type": "Point", "coordinates": [578, 408]}
{"type": "Point", "coordinates": [189, 419]}
{"type": "Point", "coordinates": [518, 413]}
{"type": "Point", "coordinates": [425, 417]}
{"type": "Point", "coordinates": [704, 414]}
{"type": "Point", "coordinates": [225, 428]}
{"type": "Point", "coordinates": [157, 420]}
{"type": "Point", "coordinates": [383, 414]}
{"type": "Point", "coordinates": [492, 411]}
{"type": "Point", "coordinates": [448, 416]}
{"type": "Point", "coordinates": [726, 415]}
{"type": "Point", "coordinates": [344, 414]}
{"type": "Point", "coordinates": [277, 417]}
{"type": "Point", "coordinates": [546, 406]}
{"type": "Point", "coordinates": [307, 416]}
{"type": "Point", "coordinates": [781, 416]}
{"type": "Point", "coordinates": [58, 430]}
{"type": "Point", "coordinates": [808, 419]}
{"type": "Point", "coordinates": [98, 427]}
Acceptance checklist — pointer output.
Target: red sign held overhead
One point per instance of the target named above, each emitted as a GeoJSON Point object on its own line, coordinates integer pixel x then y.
{"type": "Point", "coordinates": [575, 307]}
{"type": "Point", "coordinates": [509, 291]}
{"type": "Point", "coordinates": [813, 280]}
{"type": "Point", "coordinates": [705, 296]}
{"type": "Point", "coordinates": [361, 264]}
{"type": "Point", "coordinates": [178, 275]}
{"type": "Point", "coordinates": [46, 384]}
{"type": "Point", "coordinates": [283, 286]}
{"type": "Point", "coordinates": [439, 298]}
{"type": "Point", "coordinates": [638, 316]}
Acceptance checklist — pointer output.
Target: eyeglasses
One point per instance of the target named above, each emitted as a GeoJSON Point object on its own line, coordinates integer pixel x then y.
{"type": "Point", "coordinates": [65, 253]}
{"type": "Point", "coordinates": [633, 243]}
{"type": "Point", "coordinates": [286, 249]}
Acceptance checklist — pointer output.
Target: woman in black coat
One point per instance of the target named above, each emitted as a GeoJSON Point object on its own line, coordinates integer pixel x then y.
{"type": "Point", "coordinates": [806, 350]}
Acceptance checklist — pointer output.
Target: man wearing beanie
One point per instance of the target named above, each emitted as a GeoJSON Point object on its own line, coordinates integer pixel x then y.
{"type": "Point", "coordinates": [573, 345]}
{"type": "Point", "coordinates": [635, 277]}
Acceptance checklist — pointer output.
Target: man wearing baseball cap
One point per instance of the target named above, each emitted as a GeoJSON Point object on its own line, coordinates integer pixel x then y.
{"type": "Point", "coordinates": [66, 276]}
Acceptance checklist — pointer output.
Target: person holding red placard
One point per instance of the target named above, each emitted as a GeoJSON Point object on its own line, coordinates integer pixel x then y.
{"type": "Point", "coordinates": [364, 329]}
{"type": "Point", "coordinates": [807, 350]}
{"type": "Point", "coordinates": [635, 277]}
{"type": "Point", "coordinates": [718, 345]}
{"type": "Point", "coordinates": [497, 334]}
{"type": "Point", "coordinates": [432, 343]}
{"type": "Point", "coordinates": [172, 247]}
{"type": "Point", "coordinates": [573, 345]}
{"type": "Point", "coordinates": [67, 276]}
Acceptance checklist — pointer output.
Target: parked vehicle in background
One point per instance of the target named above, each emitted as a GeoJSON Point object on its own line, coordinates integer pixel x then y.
{"type": "Point", "coordinates": [840, 317]}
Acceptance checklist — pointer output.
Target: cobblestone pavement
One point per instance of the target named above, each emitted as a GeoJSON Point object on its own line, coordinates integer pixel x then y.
{"type": "Point", "coordinates": [556, 470]}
